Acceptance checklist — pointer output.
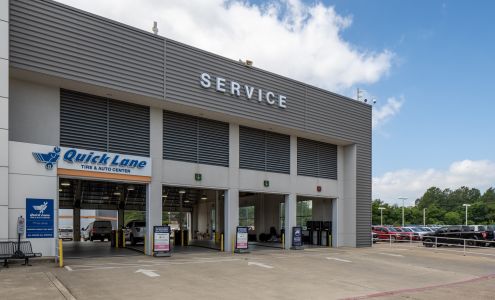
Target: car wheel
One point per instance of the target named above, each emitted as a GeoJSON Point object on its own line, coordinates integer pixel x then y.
{"type": "Point", "coordinates": [91, 238]}
{"type": "Point", "coordinates": [428, 243]}
{"type": "Point", "coordinates": [133, 240]}
{"type": "Point", "coordinates": [394, 238]}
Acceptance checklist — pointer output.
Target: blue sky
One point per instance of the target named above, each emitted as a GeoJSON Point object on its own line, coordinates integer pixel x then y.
{"type": "Point", "coordinates": [429, 64]}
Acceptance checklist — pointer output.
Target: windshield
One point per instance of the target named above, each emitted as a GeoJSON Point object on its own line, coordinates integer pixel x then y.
{"type": "Point", "coordinates": [415, 229]}
{"type": "Point", "coordinates": [102, 224]}
{"type": "Point", "coordinates": [424, 229]}
{"type": "Point", "coordinates": [406, 230]}
{"type": "Point", "coordinates": [392, 229]}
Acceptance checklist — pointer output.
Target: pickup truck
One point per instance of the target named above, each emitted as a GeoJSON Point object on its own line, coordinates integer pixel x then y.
{"type": "Point", "coordinates": [454, 235]}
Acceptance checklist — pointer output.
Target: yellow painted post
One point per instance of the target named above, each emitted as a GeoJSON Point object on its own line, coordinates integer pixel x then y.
{"type": "Point", "coordinates": [182, 238]}
{"type": "Point", "coordinates": [116, 238]}
{"type": "Point", "coordinates": [152, 244]}
{"type": "Point", "coordinates": [329, 240]}
{"type": "Point", "coordinates": [60, 254]}
{"type": "Point", "coordinates": [123, 239]}
{"type": "Point", "coordinates": [283, 240]}
{"type": "Point", "coordinates": [221, 243]}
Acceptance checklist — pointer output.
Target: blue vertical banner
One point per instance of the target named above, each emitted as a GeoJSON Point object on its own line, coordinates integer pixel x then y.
{"type": "Point", "coordinates": [39, 218]}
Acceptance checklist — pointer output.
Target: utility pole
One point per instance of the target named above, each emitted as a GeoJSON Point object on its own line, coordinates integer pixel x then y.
{"type": "Point", "coordinates": [466, 206]}
{"type": "Point", "coordinates": [424, 216]}
{"type": "Point", "coordinates": [403, 199]}
{"type": "Point", "coordinates": [381, 215]}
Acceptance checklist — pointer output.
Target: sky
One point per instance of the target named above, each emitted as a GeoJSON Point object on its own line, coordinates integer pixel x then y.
{"type": "Point", "coordinates": [429, 65]}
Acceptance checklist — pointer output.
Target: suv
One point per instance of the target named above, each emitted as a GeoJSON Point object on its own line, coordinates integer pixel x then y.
{"type": "Point", "coordinates": [98, 230]}
{"type": "Point", "coordinates": [453, 235]}
{"type": "Point", "coordinates": [134, 231]}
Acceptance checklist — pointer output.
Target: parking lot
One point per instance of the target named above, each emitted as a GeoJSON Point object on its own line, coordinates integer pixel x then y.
{"type": "Point", "coordinates": [382, 272]}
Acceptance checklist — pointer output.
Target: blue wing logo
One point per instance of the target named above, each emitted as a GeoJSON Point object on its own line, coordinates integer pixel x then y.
{"type": "Point", "coordinates": [49, 159]}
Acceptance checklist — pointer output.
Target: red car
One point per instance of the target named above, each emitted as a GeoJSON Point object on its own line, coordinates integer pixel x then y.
{"type": "Point", "coordinates": [408, 233]}
{"type": "Point", "coordinates": [387, 233]}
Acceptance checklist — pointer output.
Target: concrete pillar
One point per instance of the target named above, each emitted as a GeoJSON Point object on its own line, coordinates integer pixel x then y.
{"type": "Point", "coordinates": [290, 218]}
{"type": "Point", "coordinates": [4, 119]}
{"type": "Point", "coordinates": [76, 224]}
{"type": "Point", "coordinates": [231, 198]}
{"type": "Point", "coordinates": [291, 199]}
{"type": "Point", "coordinates": [154, 188]}
{"type": "Point", "coordinates": [347, 206]}
{"type": "Point", "coordinates": [231, 217]}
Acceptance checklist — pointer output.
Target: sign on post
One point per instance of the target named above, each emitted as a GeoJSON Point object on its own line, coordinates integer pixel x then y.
{"type": "Point", "coordinates": [241, 239]}
{"type": "Point", "coordinates": [297, 241]}
{"type": "Point", "coordinates": [21, 225]}
{"type": "Point", "coordinates": [161, 240]}
{"type": "Point", "coordinates": [39, 218]}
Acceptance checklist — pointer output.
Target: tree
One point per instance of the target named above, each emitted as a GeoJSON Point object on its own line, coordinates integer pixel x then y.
{"type": "Point", "coordinates": [452, 218]}
{"type": "Point", "coordinates": [432, 196]}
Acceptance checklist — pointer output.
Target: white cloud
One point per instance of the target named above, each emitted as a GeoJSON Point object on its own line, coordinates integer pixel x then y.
{"type": "Point", "coordinates": [289, 37]}
{"type": "Point", "coordinates": [413, 183]}
{"type": "Point", "coordinates": [381, 114]}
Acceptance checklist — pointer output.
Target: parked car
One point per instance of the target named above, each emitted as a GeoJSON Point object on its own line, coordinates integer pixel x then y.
{"type": "Point", "coordinates": [134, 231]}
{"type": "Point", "coordinates": [421, 232]}
{"type": "Point", "coordinates": [454, 235]}
{"type": "Point", "coordinates": [386, 233]}
{"type": "Point", "coordinates": [489, 235]}
{"type": "Point", "coordinates": [66, 233]}
{"type": "Point", "coordinates": [409, 233]}
{"type": "Point", "coordinates": [98, 230]}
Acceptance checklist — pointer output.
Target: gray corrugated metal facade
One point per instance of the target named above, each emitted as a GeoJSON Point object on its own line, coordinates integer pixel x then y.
{"type": "Point", "coordinates": [316, 159]}
{"type": "Point", "coordinates": [54, 39]}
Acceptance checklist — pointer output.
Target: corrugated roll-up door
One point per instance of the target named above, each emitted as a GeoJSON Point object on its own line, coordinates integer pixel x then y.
{"type": "Point", "coordinates": [277, 153]}
{"type": "Point", "coordinates": [97, 123]}
{"type": "Point", "coordinates": [316, 159]}
{"type": "Point", "coordinates": [213, 142]}
{"type": "Point", "coordinates": [327, 161]}
{"type": "Point", "coordinates": [196, 140]}
{"type": "Point", "coordinates": [83, 121]}
{"type": "Point", "coordinates": [180, 137]}
{"type": "Point", "coordinates": [307, 157]}
{"type": "Point", "coordinates": [264, 151]}
{"type": "Point", "coordinates": [252, 149]}
{"type": "Point", "coordinates": [129, 128]}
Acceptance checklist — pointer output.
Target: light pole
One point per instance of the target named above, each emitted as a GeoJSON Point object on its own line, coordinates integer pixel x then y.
{"type": "Point", "coordinates": [466, 206]}
{"type": "Point", "coordinates": [403, 199]}
{"type": "Point", "coordinates": [424, 216]}
{"type": "Point", "coordinates": [381, 215]}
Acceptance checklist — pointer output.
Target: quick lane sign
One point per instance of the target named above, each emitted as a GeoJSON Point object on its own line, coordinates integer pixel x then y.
{"type": "Point", "coordinates": [95, 161]}
{"type": "Point", "coordinates": [249, 92]}
{"type": "Point", "coordinates": [39, 218]}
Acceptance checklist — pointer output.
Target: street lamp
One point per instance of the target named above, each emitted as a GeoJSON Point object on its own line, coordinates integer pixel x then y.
{"type": "Point", "coordinates": [381, 215]}
{"type": "Point", "coordinates": [424, 216]}
{"type": "Point", "coordinates": [403, 199]}
{"type": "Point", "coordinates": [466, 206]}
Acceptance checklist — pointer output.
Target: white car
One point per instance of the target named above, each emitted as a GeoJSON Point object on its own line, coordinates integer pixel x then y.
{"type": "Point", "coordinates": [66, 233]}
{"type": "Point", "coordinates": [134, 231]}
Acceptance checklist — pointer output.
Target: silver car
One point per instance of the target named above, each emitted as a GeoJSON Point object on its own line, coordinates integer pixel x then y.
{"type": "Point", "coordinates": [134, 231]}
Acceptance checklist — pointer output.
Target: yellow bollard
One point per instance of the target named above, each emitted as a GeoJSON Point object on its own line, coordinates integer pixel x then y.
{"type": "Point", "coordinates": [329, 240]}
{"type": "Point", "coordinates": [221, 243]}
{"type": "Point", "coordinates": [123, 239]}
{"type": "Point", "coordinates": [182, 238]}
{"type": "Point", "coordinates": [283, 240]}
{"type": "Point", "coordinates": [60, 254]}
{"type": "Point", "coordinates": [116, 239]}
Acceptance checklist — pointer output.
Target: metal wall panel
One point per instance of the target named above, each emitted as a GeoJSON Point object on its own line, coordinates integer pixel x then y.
{"type": "Point", "coordinates": [128, 128]}
{"type": "Point", "coordinates": [52, 38]}
{"type": "Point", "coordinates": [83, 121]}
{"type": "Point", "coordinates": [316, 159]}
{"type": "Point", "coordinates": [263, 150]}
{"type": "Point", "coordinates": [97, 123]}
{"type": "Point", "coordinates": [197, 140]}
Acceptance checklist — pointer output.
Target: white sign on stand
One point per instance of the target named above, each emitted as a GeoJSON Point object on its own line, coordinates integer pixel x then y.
{"type": "Point", "coordinates": [161, 240]}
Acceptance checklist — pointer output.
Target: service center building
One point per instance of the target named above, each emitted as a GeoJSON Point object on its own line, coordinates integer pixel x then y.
{"type": "Point", "coordinates": [87, 99]}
